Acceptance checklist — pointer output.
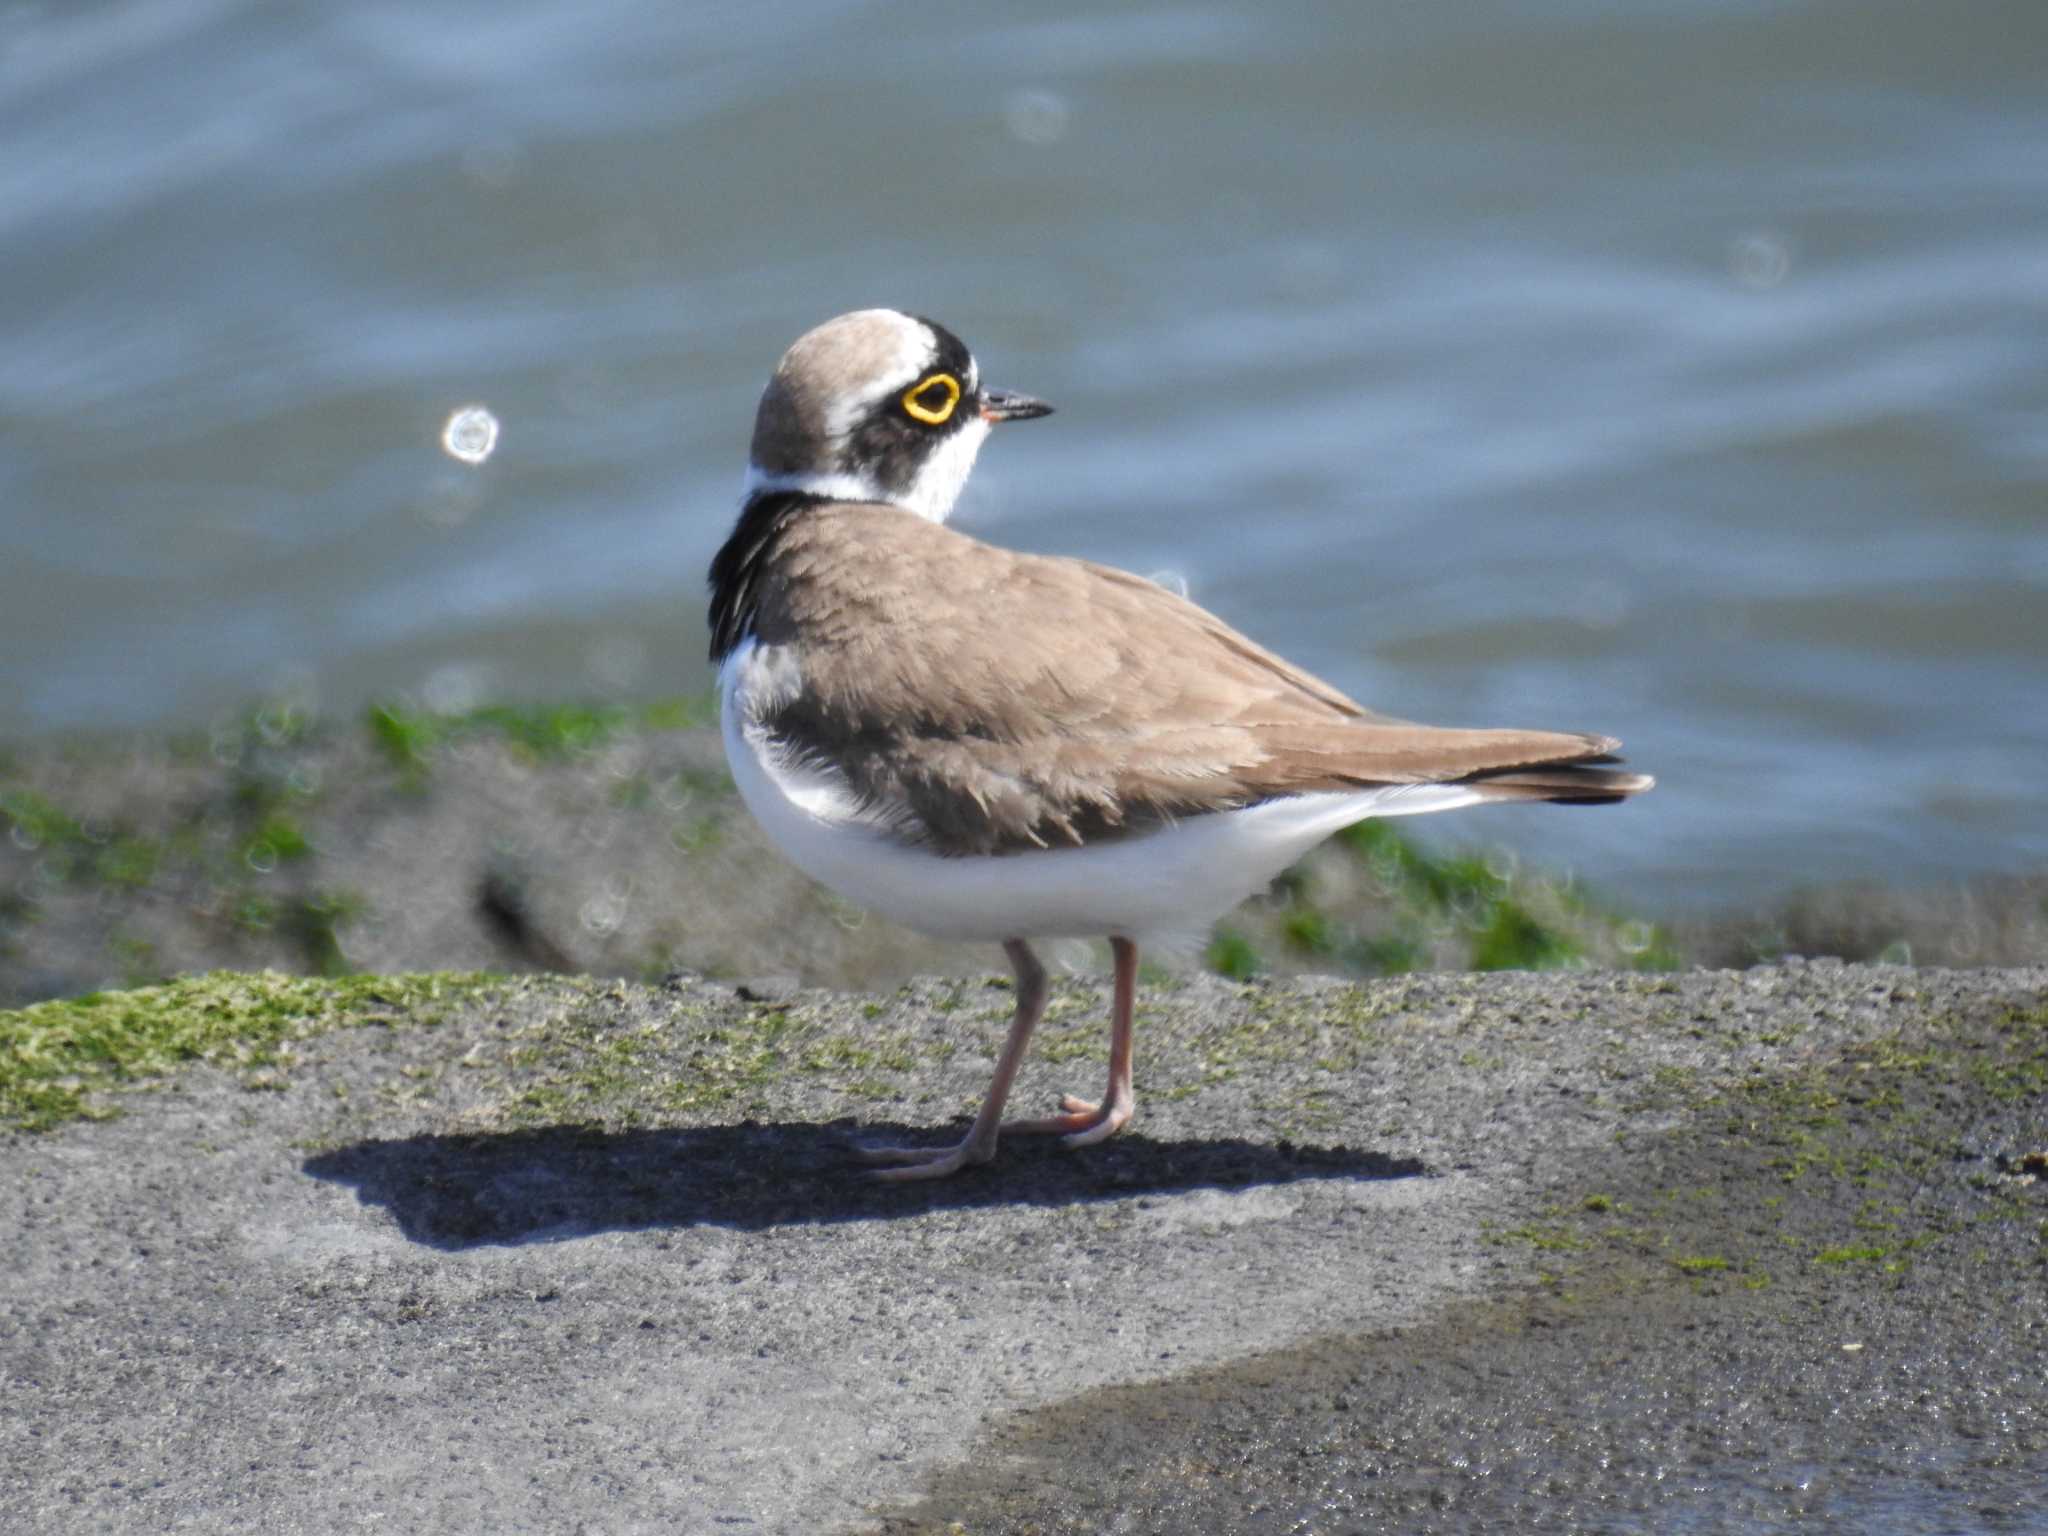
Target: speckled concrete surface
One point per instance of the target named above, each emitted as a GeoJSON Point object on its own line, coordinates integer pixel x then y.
{"type": "Point", "coordinates": [1442, 1253]}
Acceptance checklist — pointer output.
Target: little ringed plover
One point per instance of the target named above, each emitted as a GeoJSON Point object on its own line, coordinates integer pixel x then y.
{"type": "Point", "coordinates": [982, 744]}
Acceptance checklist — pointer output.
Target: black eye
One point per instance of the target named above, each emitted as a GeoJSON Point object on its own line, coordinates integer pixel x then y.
{"type": "Point", "coordinates": [932, 399]}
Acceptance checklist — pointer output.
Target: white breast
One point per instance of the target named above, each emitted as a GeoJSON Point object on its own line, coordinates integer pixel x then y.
{"type": "Point", "coordinates": [1179, 877]}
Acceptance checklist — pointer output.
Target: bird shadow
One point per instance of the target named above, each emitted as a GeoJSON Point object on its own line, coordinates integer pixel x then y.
{"type": "Point", "coordinates": [559, 1182]}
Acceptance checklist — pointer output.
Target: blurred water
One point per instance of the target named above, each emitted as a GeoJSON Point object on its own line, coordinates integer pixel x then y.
{"type": "Point", "coordinates": [1674, 370]}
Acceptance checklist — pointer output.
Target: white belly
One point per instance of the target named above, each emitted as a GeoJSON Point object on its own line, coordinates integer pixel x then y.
{"type": "Point", "coordinates": [1181, 876]}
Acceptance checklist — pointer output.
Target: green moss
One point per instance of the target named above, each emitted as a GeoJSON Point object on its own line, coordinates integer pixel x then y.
{"type": "Point", "coordinates": [1647, 946]}
{"type": "Point", "coordinates": [1231, 954]}
{"type": "Point", "coordinates": [1462, 908]}
{"type": "Point", "coordinates": [409, 737]}
{"type": "Point", "coordinates": [1512, 940]}
{"type": "Point", "coordinates": [1855, 1139]}
{"type": "Point", "coordinates": [680, 712]}
{"type": "Point", "coordinates": [695, 834]}
{"type": "Point", "coordinates": [136, 957]}
{"type": "Point", "coordinates": [73, 849]}
{"type": "Point", "coordinates": [1337, 1034]}
{"type": "Point", "coordinates": [1085, 1039]}
{"type": "Point", "coordinates": [254, 913]}
{"type": "Point", "coordinates": [835, 1054]}
{"type": "Point", "coordinates": [2020, 1071]}
{"type": "Point", "coordinates": [592, 1062]}
{"type": "Point", "coordinates": [128, 861]}
{"type": "Point", "coordinates": [278, 840]}
{"type": "Point", "coordinates": [1849, 1255]}
{"type": "Point", "coordinates": [1310, 931]}
{"type": "Point", "coordinates": [1387, 956]}
{"type": "Point", "coordinates": [1546, 1239]}
{"type": "Point", "coordinates": [1402, 865]}
{"type": "Point", "coordinates": [59, 1059]}
{"type": "Point", "coordinates": [35, 823]}
{"type": "Point", "coordinates": [553, 730]}
{"type": "Point", "coordinates": [631, 794]}
{"type": "Point", "coordinates": [313, 922]}
{"type": "Point", "coordinates": [277, 723]}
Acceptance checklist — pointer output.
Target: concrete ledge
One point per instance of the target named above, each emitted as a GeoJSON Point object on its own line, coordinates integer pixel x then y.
{"type": "Point", "coordinates": [1458, 1248]}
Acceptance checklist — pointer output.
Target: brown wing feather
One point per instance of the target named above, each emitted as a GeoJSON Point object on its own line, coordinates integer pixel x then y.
{"type": "Point", "coordinates": [1007, 701]}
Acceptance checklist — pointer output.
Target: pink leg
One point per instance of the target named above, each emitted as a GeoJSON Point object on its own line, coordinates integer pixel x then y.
{"type": "Point", "coordinates": [1083, 1124]}
{"type": "Point", "coordinates": [980, 1142]}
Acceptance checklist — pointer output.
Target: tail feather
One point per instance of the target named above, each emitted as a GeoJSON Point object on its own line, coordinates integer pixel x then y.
{"type": "Point", "coordinates": [1565, 784]}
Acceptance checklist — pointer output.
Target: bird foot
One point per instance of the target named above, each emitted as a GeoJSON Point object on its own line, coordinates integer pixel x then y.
{"type": "Point", "coordinates": [1081, 1123]}
{"type": "Point", "coordinates": [901, 1165]}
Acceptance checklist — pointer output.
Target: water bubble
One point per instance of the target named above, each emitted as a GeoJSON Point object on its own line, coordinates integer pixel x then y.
{"type": "Point", "coordinates": [294, 690]}
{"type": "Point", "coordinates": [604, 912]}
{"type": "Point", "coordinates": [471, 434]}
{"type": "Point", "coordinates": [1073, 957]}
{"type": "Point", "coordinates": [224, 739]}
{"type": "Point", "coordinates": [1175, 582]}
{"type": "Point", "coordinates": [1634, 937]}
{"type": "Point", "coordinates": [278, 724]}
{"type": "Point", "coordinates": [261, 857]}
{"type": "Point", "coordinates": [1760, 259]}
{"type": "Point", "coordinates": [455, 688]}
{"type": "Point", "coordinates": [1035, 117]}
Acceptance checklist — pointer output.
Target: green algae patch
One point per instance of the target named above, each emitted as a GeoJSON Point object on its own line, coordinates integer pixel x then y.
{"type": "Point", "coordinates": [1772, 1168]}
{"type": "Point", "coordinates": [73, 850]}
{"type": "Point", "coordinates": [410, 737]}
{"type": "Point", "coordinates": [619, 1057]}
{"type": "Point", "coordinates": [59, 1060]}
{"type": "Point", "coordinates": [1375, 901]}
{"type": "Point", "coordinates": [1850, 1255]}
{"type": "Point", "coordinates": [1231, 954]}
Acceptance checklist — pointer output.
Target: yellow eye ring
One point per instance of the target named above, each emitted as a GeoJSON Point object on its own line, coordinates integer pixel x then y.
{"type": "Point", "coordinates": [932, 415]}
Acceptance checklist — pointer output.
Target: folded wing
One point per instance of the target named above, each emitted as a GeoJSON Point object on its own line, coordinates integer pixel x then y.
{"type": "Point", "coordinates": [987, 701]}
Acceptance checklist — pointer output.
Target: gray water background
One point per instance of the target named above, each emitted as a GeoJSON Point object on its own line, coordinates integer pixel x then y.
{"type": "Point", "coordinates": [1677, 370]}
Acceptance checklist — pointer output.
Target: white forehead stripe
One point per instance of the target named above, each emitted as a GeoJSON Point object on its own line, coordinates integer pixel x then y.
{"type": "Point", "coordinates": [899, 351]}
